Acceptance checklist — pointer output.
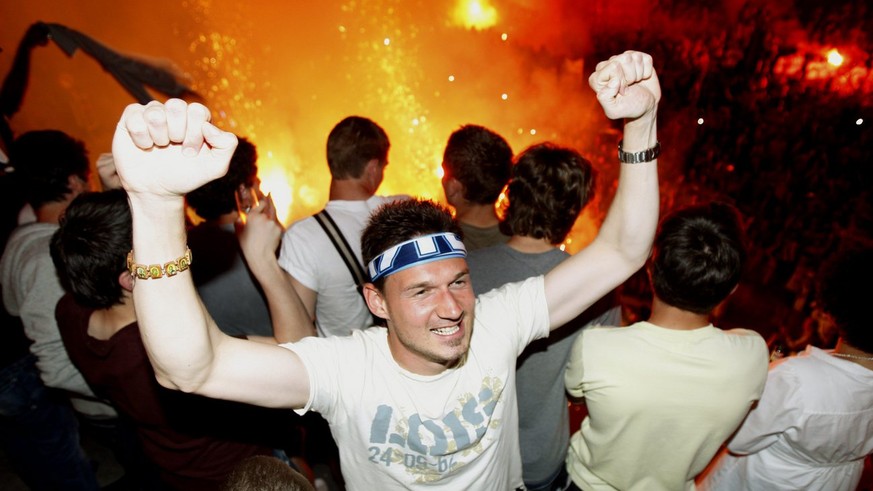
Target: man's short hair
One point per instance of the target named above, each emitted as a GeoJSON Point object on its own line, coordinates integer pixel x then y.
{"type": "Point", "coordinates": [90, 247]}
{"type": "Point", "coordinates": [842, 294]}
{"type": "Point", "coordinates": [480, 160]}
{"type": "Point", "coordinates": [698, 256]}
{"type": "Point", "coordinates": [44, 160]}
{"type": "Point", "coordinates": [216, 198]}
{"type": "Point", "coordinates": [549, 187]}
{"type": "Point", "coordinates": [354, 142]}
{"type": "Point", "coordinates": [265, 473]}
{"type": "Point", "coordinates": [399, 221]}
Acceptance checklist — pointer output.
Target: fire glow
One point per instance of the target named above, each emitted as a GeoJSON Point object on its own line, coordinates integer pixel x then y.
{"type": "Point", "coordinates": [283, 73]}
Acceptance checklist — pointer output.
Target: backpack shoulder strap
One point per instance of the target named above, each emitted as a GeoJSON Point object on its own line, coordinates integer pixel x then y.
{"type": "Point", "coordinates": [342, 246]}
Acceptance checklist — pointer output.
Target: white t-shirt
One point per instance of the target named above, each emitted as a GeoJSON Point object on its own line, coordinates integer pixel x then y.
{"type": "Point", "coordinates": [660, 401]}
{"type": "Point", "coordinates": [811, 429]}
{"type": "Point", "coordinates": [308, 254]}
{"type": "Point", "coordinates": [454, 431]}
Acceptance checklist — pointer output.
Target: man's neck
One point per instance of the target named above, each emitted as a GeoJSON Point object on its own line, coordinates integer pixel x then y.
{"type": "Point", "coordinates": [104, 323]}
{"type": "Point", "coordinates": [349, 190]}
{"type": "Point", "coordinates": [853, 354]}
{"type": "Point", "coordinates": [51, 212]}
{"type": "Point", "coordinates": [529, 245]}
{"type": "Point", "coordinates": [481, 216]}
{"type": "Point", "coordinates": [670, 317]}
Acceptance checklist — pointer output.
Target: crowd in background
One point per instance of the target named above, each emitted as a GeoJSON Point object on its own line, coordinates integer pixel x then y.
{"type": "Point", "coordinates": [788, 147]}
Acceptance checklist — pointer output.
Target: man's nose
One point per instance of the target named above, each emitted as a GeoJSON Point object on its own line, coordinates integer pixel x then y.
{"type": "Point", "coordinates": [449, 307]}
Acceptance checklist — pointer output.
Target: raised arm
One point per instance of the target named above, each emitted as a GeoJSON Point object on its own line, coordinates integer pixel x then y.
{"type": "Point", "coordinates": [259, 239]}
{"type": "Point", "coordinates": [163, 151]}
{"type": "Point", "coordinates": [627, 87]}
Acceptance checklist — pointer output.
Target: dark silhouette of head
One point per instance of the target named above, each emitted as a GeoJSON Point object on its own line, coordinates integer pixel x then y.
{"type": "Point", "coordinates": [216, 198]}
{"type": "Point", "coordinates": [265, 473]}
{"type": "Point", "coordinates": [549, 187]}
{"type": "Point", "coordinates": [352, 144]}
{"type": "Point", "coordinates": [45, 161]}
{"type": "Point", "coordinates": [698, 256]}
{"type": "Point", "coordinates": [480, 160]}
{"type": "Point", "coordinates": [843, 292]}
{"type": "Point", "coordinates": [90, 248]}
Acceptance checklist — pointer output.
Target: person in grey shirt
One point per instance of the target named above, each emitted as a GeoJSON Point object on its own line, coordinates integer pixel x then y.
{"type": "Point", "coordinates": [476, 166]}
{"type": "Point", "coordinates": [221, 274]}
{"type": "Point", "coordinates": [550, 186]}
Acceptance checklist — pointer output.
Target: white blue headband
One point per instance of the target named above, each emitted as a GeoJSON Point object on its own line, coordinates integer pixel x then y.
{"type": "Point", "coordinates": [416, 251]}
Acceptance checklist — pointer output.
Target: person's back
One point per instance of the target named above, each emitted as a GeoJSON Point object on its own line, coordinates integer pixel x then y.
{"type": "Point", "coordinates": [357, 153]}
{"type": "Point", "coordinates": [813, 426]}
{"type": "Point", "coordinates": [38, 429]}
{"type": "Point", "coordinates": [221, 274]}
{"type": "Point", "coordinates": [476, 166]}
{"type": "Point", "coordinates": [194, 441]}
{"type": "Point", "coordinates": [664, 394]}
{"type": "Point", "coordinates": [548, 189]}
{"type": "Point", "coordinates": [54, 169]}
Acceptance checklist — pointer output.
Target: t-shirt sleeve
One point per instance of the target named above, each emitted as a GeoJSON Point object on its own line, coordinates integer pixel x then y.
{"type": "Point", "coordinates": [517, 311]}
{"type": "Point", "coordinates": [326, 360]}
{"type": "Point", "coordinates": [575, 371]}
{"type": "Point", "coordinates": [295, 256]}
{"type": "Point", "coordinates": [775, 413]}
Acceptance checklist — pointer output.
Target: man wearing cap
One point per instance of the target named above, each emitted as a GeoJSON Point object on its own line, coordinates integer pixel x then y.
{"type": "Point", "coordinates": [429, 401]}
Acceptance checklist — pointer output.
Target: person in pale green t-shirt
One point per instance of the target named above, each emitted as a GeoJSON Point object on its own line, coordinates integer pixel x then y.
{"type": "Point", "coordinates": [663, 395]}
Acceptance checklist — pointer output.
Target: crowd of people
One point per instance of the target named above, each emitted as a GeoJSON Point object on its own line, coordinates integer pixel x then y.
{"type": "Point", "coordinates": [421, 345]}
{"type": "Point", "coordinates": [783, 145]}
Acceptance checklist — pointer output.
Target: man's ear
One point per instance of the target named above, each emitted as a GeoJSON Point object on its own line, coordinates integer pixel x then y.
{"type": "Point", "coordinates": [375, 301]}
{"type": "Point", "coordinates": [454, 190]}
{"type": "Point", "coordinates": [374, 173]}
{"type": "Point", "coordinates": [126, 280]}
{"type": "Point", "coordinates": [76, 184]}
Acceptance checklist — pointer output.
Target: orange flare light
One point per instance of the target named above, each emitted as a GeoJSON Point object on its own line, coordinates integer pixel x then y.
{"type": "Point", "coordinates": [475, 14]}
{"type": "Point", "coordinates": [835, 58]}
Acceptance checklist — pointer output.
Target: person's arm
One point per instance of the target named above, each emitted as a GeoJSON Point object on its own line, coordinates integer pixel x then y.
{"type": "Point", "coordinates": [308, 296]}
{"type": "Point", "coordinates": [258, 240]}
{"type": "Point", "coordinates": [163, 151]}
{"type": "Point", "coordinates": [775, 413]}
{"type": "Point", "coordinates": [288, 260]}
{"type": "Point", "coordinates": [627, 87]}
{"type": "Point", "coordinates": [574, 371]}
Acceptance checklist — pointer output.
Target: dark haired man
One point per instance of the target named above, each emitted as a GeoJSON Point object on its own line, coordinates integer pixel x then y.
{"type": "Point", "coordinates": [429, 401]}
{"type": "Point", "coordinates": [476, 166]}
{"type": "Point", "coordinates": [193, 441]}
{"type": "Point", "coordinates": [663, 395]}
{"type": "Point", "coordinates": [357, 153]}
{"type": "Point", "coordinates": [549, 187]}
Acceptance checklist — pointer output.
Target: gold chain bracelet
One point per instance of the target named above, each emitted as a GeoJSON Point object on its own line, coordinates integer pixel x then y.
{"type": "Point", "coordinates": [155, 271]}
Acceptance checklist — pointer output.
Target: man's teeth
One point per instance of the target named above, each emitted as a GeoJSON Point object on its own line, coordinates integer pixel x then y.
{"type": "Point", "coordinates": [447, 331]}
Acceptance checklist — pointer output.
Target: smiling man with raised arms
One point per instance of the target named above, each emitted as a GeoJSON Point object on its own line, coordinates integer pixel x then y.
{"type": "Point", "coordinates": [429, 401]}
